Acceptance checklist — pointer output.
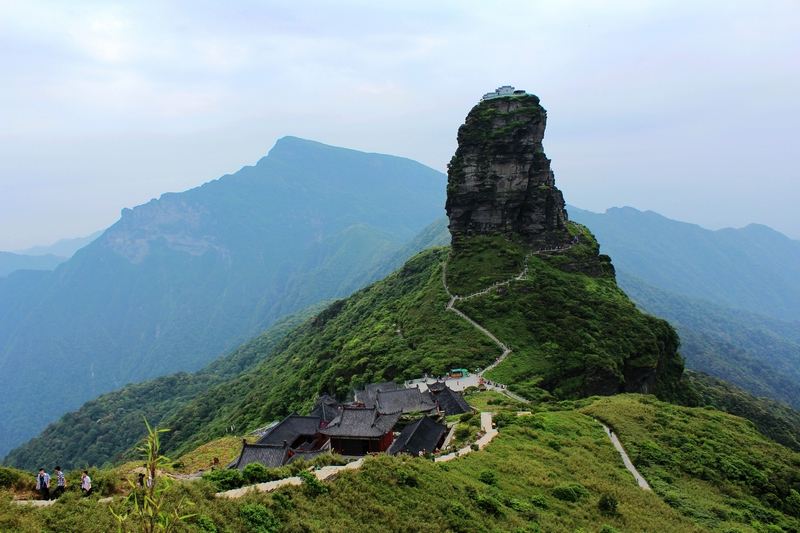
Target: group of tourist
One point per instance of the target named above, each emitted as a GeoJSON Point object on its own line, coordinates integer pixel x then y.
{"type": "Point", "coordinates": [43, 484]}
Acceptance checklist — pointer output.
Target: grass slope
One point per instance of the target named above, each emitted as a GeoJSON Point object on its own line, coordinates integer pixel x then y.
{"type": "Point", "coordinates": [712, 467]}
{"type": "Point", "coordinates": [548, 471]}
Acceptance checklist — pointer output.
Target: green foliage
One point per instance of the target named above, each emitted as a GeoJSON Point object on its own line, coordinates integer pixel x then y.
{"type": "Point", "coordinates": [573, 331]}
{"type": "Point", "coordinates": [255, 473]}
{"type": "Point", "coordinates": [150, 508]}
{"type": "Point", "coordinates": [312, 486]}
{"type": "Point", "coordinates": [225, 479]}
{"type": "Point", "coordinates": [608, 504]}
{"type": "Point", "coordinates": [258, 518]}
{"type": "Point", "coordinates": [482, 260]}
{"type": "Point", "coordinates": [12, 478]}
{"type": "Point", "coordinates": [488, 477]}
{"type": "Point", "coordinates": [570, 492]}
{"type": "Point", "coordinates": [775, 420]}
{"type": "Point", "coordinates": [705, 463]}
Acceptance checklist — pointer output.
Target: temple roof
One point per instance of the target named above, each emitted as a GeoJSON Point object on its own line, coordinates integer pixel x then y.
{"type": "Point", "coordinates": [404, 401]}
{"type": "Point", "coordinates": [451, 402]}
{"type": "Point", "coordinates": [370, 392]}
{"type": "Point", "coordinates": [423, 435]}
{"type": "Point", "coordinates": [360, 422]}
{"type": "Point", "coordinates": [326, 408]}
{"type": "Point", "coordinates": [269, 455]}
{"type": "Point", "coordinates": [290, 429]}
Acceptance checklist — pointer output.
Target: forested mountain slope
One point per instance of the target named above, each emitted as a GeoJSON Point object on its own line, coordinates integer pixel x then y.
{"type": "Point", "coordinates": [181, 279]}
{"type": "Point", "coordinates": [755, 268]}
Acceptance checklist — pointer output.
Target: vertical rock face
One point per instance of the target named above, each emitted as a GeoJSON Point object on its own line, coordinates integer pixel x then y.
{"type": "Point", "coordinates": [499, 180]}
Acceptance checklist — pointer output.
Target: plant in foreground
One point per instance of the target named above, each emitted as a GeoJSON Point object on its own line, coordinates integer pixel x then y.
{"type": "Point", "coordinates": [151, 506]}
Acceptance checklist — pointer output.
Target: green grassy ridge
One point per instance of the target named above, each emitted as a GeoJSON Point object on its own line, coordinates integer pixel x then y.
{"type": "Point", "coordinates": [550, 471]}
{"type": "Point", "coordinates": [773, 419]}
{"type": "Point", "coordinates": [712, 467]}
{"type": "Point", "coordinates": [573, 332]}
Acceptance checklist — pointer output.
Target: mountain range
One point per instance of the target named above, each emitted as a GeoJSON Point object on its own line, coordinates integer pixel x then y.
{"type": "Point", "coordinates": [758, 353]}
{"type": "Point", "coordinates": [181, 279]}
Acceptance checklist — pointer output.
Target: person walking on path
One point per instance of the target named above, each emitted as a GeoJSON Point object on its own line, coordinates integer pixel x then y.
{"type": "Point", "coordinates": [43, 484]}
{"type": "Point", "coordinates": [86, 483]}
{"type": "Point", "coordinates": [61, 483]}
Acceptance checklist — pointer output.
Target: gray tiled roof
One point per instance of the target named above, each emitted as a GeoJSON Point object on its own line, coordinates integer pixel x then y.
{"type": "Point", "coordinates": [360, 422]}
{"type": "Point", "coordinates": [326, 408]}
{"type": "Point", "coordinates": [368, 395]}
{"type": "Point", "coordinates": [269, 455]}
{"type": "Point", "coordinates": [290, 429]}
{"type": "Point", "coordinates": [405, 401]}
{"type": "Point", "coordinates": [423, 435]}
{"type": "Point", "coordinates": [451, 402]}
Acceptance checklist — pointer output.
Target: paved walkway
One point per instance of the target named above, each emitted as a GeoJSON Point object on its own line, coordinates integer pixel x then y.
{"type": "Point", "coordinates": [489, 434]}
{"type": "Point", "coordinates": [625, 459]}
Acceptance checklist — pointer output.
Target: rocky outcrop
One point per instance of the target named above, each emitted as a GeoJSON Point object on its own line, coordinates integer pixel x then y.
{"type": "Point", "coordinates": [499, 180]}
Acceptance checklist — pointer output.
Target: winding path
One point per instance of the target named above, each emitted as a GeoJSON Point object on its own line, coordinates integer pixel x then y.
{"type": "Point", "coordinates": [500, 344]}
{"type": "Point", "coordinates": [642, 482]}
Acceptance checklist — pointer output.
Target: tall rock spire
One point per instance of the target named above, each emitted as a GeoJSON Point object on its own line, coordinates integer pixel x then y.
{"type": "Point", "coordinates": [499, 180]}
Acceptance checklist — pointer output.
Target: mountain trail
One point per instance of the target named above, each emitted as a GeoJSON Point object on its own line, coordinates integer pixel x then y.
{"type": "Point", "coordinates": [505, 349]}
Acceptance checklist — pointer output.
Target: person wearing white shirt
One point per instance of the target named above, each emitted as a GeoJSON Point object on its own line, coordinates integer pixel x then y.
{"type": "Point", "coordinates": [86, 483]}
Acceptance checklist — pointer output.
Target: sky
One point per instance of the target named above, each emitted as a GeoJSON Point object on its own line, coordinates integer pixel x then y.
{"type": "Point", "coordinates": [690, 109]}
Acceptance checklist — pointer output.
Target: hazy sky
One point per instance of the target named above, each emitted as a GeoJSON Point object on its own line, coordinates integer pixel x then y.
{"type": "Point", "coordinates": [691, 109]}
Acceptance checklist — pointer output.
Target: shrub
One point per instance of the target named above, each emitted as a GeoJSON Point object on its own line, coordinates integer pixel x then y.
{"type": "Point", "coordinates": [406, 478]}
{"type": "Point", "coordinates": [570, 492]}
{"type": "Point", "coordinates": [488, 504]}
{"type": "Point", "coordinates": [312, 485]}
{"type": "Point", "coordinates": [466, 417]}
{"type": "Point", "coordinates": [204, 523]}
{"type": "Point", "coordinates": [607, 504]}
{"type": "Point", "coordinates": [537, 500]}
{"type": "Point", "coordinates": [255, 473]}
{"type": "Point", "coordinates": [225, 479]}
{"type": "Point", "coordinates": [608, 529]}
{"type": "Point", "coordinates": [11, 478]}
{"type": "Point", "coordinates": [488, 477]}
{"type": "Point", "coordinates": [462, 432]}
{"type": "Point", "coordinates": [474, 447]}
{"type": "Point", "coordinates": [258, 518]}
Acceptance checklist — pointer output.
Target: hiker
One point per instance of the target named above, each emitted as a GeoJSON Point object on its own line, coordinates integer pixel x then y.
{"type": "Point", "coordinates": [215, 463]}
{"type": "Point", "coordinates": [61, 483]}
{"type": "Point", "coordinates": [43, 484]}
{"type": "Point", "coordinates": [86, 484]}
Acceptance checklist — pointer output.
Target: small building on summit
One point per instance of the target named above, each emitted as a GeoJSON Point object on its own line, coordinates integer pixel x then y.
{"type": "Point", "coordinates": [423, 436]}
{"type": "Point", "coordinates": [504, 90]}
{"type": "Point", "coordinates": [361, 430]}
